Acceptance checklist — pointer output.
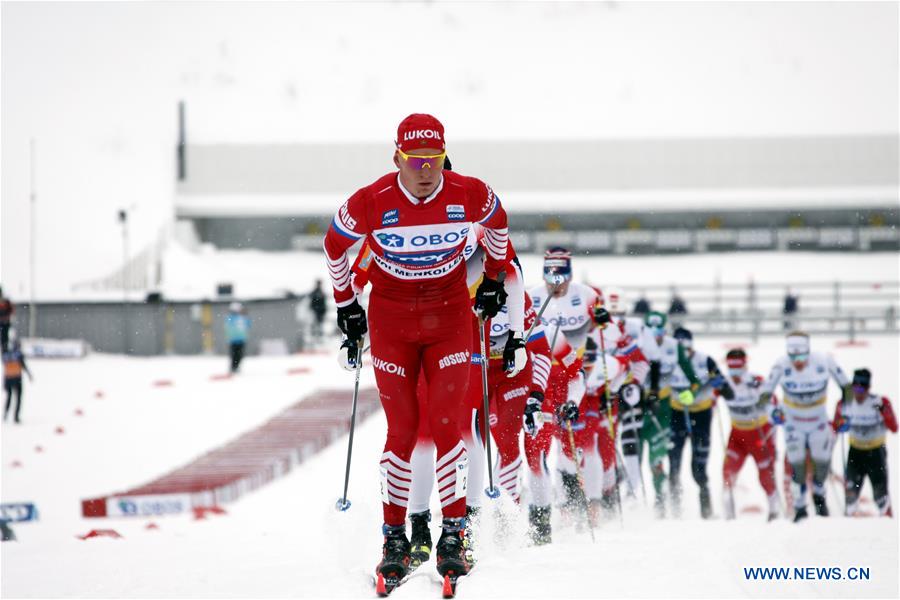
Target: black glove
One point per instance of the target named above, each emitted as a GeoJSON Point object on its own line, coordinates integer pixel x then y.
{"type": "Point", "coordinates": [351, 320]}
{"type": "Point", "coordinates": [489, 298]}
{"type": "Point", "coordinates": [349, 355]}
{"type": "Point", "coordinates": [532, 408]}
{"type": "Point", "coordinates": [515, 357]}
{"type": "Point", "coordinates": [601, 316]}
{"type": "Point", "coordinates": [726, 391]}
{"type": "Point", "coordinates": [652, 400]}
{"type": "Point", "coordinates": [568, 411]}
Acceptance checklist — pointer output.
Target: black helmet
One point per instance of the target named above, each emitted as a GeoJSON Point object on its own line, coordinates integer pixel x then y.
{"type": "Point", "coordinates": [862, 377]}
{"type": "Point", "coordinates": [683, 334]}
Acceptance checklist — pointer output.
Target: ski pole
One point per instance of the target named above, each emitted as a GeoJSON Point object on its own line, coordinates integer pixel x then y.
{"type": "Point", "coordinates": [687, 422]}
{"type": "Point", "coordinates": [579, 477]}
{"type": "Point", "coordinates": [544, 305]}
{"type": "Point", "coordinates": [621, 460]}
{"type": "Point", "coordinates": [491, 491]}
{"type": "Point", "coordinates": [343, 504]}
{"type": "Point", "coordinates": [656, 423]}
{"type": "Point", "coordinates": [640, 449]}
{"type": "Point", "coordinates": [609, 421]}
{"type": "Point", "coordinates": [844, 460]}
{"type": "Point", "coordinates": [721, 429]}
{"type": "Point", "coordinates": [763, 439]}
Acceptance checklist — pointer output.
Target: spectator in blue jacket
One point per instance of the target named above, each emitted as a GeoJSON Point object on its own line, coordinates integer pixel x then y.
{"type": "Point", "coordinates": [237, 327]}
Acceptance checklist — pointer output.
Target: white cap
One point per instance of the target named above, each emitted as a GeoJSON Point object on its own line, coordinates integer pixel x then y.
{"type": "Point", "coordinates": [797, 343]}
{"type": "Point", "coordinates": [615, 300]}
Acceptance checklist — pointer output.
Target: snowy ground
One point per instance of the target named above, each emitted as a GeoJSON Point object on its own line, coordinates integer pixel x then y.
{"type": "Point", "coordinates": [287, 541]}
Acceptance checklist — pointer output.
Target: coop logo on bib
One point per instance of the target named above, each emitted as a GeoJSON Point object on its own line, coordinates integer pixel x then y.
{"type": "Point", "coordinates": [456, 212]}
{"type": "Point", "coordinates": [390, 217]}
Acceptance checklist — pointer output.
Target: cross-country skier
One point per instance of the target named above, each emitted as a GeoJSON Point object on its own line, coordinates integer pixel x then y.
{"type": "Point", "coordinates": [656, 431]}
{"type": "Point", "coordinates": [633, 345]}
{"type": "Point", "coordinates": [804, 376]}
{"type": "Point", "coordinates": [416, 222]}
{"type": "Point", "coordinates": [695, 378]}
{"type": "Point", "coordinates": [750, 434]}
{"type": "Point", "coordinates": [511, 367]}
{"type": "Point", "coordinates": [866, 419]}
{"type": "Point", "coordinates": [472, 426]}
{"type": "Point", "coordinates": [567, 321]}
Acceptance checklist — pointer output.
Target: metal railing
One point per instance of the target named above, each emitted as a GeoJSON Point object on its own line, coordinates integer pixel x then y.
{"type": "Point", "coordinates": [816, 298]}
{"type": "Point", "coordinates": [731, 324]}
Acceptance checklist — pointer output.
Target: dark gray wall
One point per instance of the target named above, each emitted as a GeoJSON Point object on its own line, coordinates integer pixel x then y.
{"type": "Point", "coordinates": [139, 328]}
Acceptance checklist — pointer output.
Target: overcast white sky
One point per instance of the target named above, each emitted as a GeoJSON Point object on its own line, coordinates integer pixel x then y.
{"type": "Point", "coordinates": [97, 85]}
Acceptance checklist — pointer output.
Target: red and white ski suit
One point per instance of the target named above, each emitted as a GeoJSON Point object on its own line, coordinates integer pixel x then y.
{"type": "Point", "coordinates": [507, 395]}
{"type": "Point", "coordinates": [751, 434]}
{"type": "Point", "coordinates": [419, 315]}
{"type": "Point", "coordinates": [566, 322]}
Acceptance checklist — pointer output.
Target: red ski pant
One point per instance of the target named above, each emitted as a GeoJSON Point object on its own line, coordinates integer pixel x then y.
{"type": "Point", "coordinates": [597, 423]}
{"type": "Point", "coordinates": [591, 432]}
{"type": "Point", "coordinates": [538, 447]}
{"type": "Point", "coordinates": [507, 398]}
{"type": "Point", "coordinates": [742, 442]}
{"type": "Point", "coordinates": [436, 336]}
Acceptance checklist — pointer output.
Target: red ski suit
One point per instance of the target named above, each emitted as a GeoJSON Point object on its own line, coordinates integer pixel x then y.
{"type": "Point", "coordinates": [751, 434]}
{"type": "Point", "coordinates": [507, 397]}
{"type": "Point", "coordinates": [419, 315]}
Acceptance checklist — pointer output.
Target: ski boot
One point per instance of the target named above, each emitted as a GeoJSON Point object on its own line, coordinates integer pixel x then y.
{"type": "Point", "coordinates": [705, 503]}
{"type": "Point", "coordinates": [800, 514]}
{"type": "Point", "coordinates": [774, 507]}
{"type": "Point", "coordinates": [395, 559]}
{"type": "Point", "coordinates": [608, 504]}
{"type": "Point", "coordinates": [503, 525]}
{"type": "Point", "coordinates": [675, 490]}
{"type": "Point", "coordinates": [420, 539]}
{"type": "Point", "coordinates": [659, 506]}
{"type": "Point", "coordinates": [539, 525]}
{"type": "Point", "coordinates": [819, 503]}
{"type": "Point", "coordinates": [451, 554]}
{"type": "Point", "coordinates": [575, 503]}
{"type": "Point", "coordinates": [473, 522]}
{"type": "Point", "coordinates": [594, 511]}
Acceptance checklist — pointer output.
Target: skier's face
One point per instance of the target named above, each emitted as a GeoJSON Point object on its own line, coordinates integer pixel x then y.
{"type": "Point", "coordinates": [560, 290]}
{"type": "Point", "coordinates": [421, 177]}
{"type": "Point", "coordinates": [799, 360]}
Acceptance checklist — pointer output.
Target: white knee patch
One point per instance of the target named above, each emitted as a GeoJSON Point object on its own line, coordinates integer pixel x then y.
{"type": "Point", "coordinates": [422, 462]}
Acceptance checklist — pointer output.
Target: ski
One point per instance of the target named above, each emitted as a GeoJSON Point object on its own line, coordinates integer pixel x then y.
{"type": "Point", "coordinates": [385, 585]}
{"type": "Point", "coordinates": [449, 586]}
{"type": "Point", "coordinates": [448, 582]}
